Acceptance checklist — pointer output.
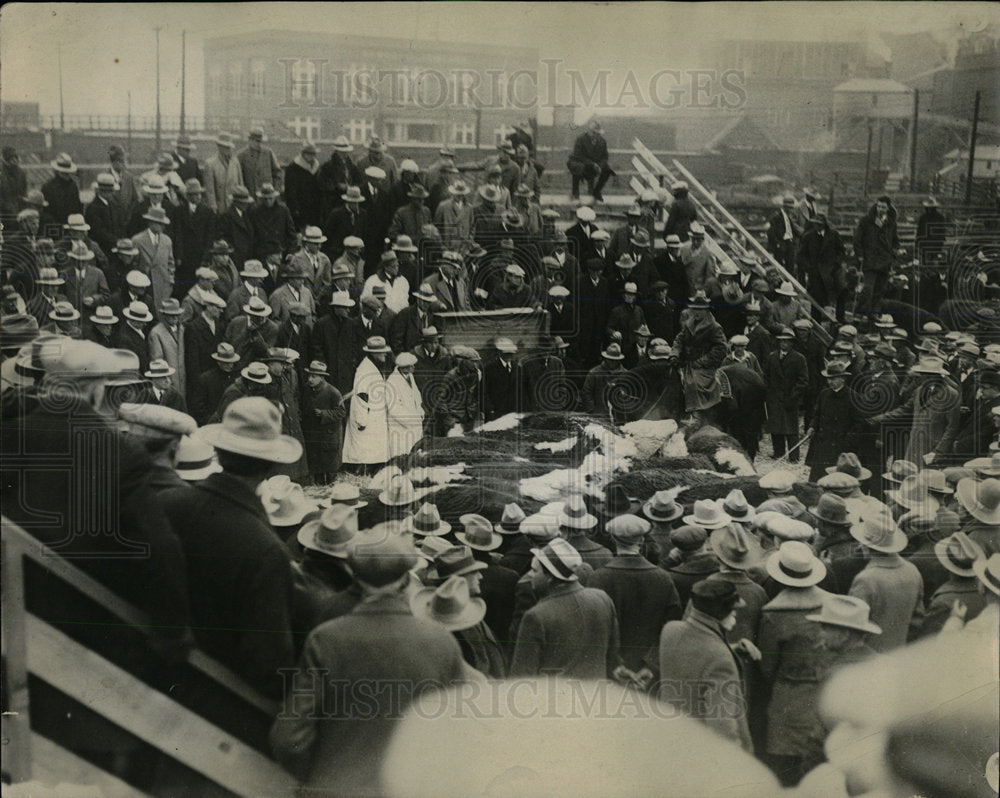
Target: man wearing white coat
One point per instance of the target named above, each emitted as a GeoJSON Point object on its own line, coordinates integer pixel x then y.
{"type": "Point", "coordinates": [366, 441]}
{"type": "Point", "coordinates": [405, 407]}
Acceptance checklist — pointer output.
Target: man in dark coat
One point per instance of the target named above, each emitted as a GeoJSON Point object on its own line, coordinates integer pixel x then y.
{"type": "Point", "coordinates": [322, 424]}
{"type": "Point", "coordinates": [699, 349]}
{"type": "Point", "coordinates": [240, 574]}
{"type": "Point", "coordinates": [187, 165]}
{"type": "Point", "coordinates": [503, 382]}
{"type": "Point", "coordinates": [234, 227]}
{"type": "Point", "coordinates": [593, 307]}
{"type": "Point", "coordinates": [875, 245]}
{"type": "Point", "coordinates": [589, 161]}
{"type": "Point", "coordinates": [833, 422]}
{"type": "Point", "coordinates": [682, 214]}
{"type": "Point", "coordinates": [643, 594]}
{"type": "Point", "coordinates": [273, 228]}
{"type": "Point", "coordinates": [335, 175]}
{"type": "Point", "coordinates": [787, 376]}
{"type": "Point", "coordinates": [105, 215]}
{"type": "Point", "coordinates": [333, 342]}
{"type": "Point", "coordinates": [572, 631]}
{"type": "Point", "coordinates": [459, 402]}
{"type": "Point", "coordinates": [821, 259]}
{"type": "Point", "coordinates": [192, 229]}
{"type": "Point", "coordinates": [13, 183]}
{"type": "Point", "coordinates": [932, 230]}
{"type": "Point", "coordinates": [61, 191]}
{"type": "Point", "coordinates": [302, 189]}
{"type": "Point", "coordinates": [783, 234]}
{"type": "Point", "coordinates": [207, 391]}
{"type": "Point", "coordinates": [761, 342]}
{"type": "Point", "coordinates": [132, 334]}
{"type": "Point", "coordinates": [348, 218]}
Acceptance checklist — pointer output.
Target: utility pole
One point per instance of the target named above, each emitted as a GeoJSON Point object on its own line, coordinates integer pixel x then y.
{"type": "Point", "coordinates": [183, 64]}
{"type": "Point", "coordinates": [158, 28]}
{"type": "Point", "coordinates": [62, 115]}
{"type": "Point", "coordinates": [972, 150]}
{"type": "Point", "coordinates": [913, 140]}
{"type": "Point", "coordinates": [128, 129]}
{"type": "Point", "coordinates": [868, 156]}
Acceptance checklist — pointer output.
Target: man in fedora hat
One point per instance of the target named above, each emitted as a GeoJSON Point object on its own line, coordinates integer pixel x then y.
{"type": "Point", "coordinates": [396, 288]}
{"type": "Point", "coordinates": [333, 341]}
{"type": "Point", "coordinates": [316, 264]}
{"type": "Point", "coordinates": [834, 422]}
{"type": "Point", "coordinates": [64, 319]}
{"type": "Point", "coordinates": [409, 174]}
{"type": "Point", "coordinates": [340, 749]}
{"type": "Point", "coordinates": [792, 661]}
{"type": "Point", "coordinates": [252, 333]}
{"type": "Point", "coordinates": [821, 258]}
{"type": "Point", "coordinates": [61, 191]}
{"type": "Point", "coordinates": [206, 391]}
{"type": "Point", "coordinates": [161, 392]}
{"type": "Point", "coordinates": [235, 227]}
{"type": "Point", "coordinates": [294, 290]}
{"type": "Point", "coordinates": [404, 406]}
{"type": "Point", "coordinates": [956, 553]}
{"type": "Point", "coordinates": [165, 171]}
{"type": "Point", "coordinates": [103, 322]}
{"type": "Point", "coordinates": [258, 164]}
{"type": "Point", "coordinates": [205, 327]}
{"type": "Point", "coordinates": [891, 585]}
{"type": "Point", "coordinates": [302, 187]}
{"type": "Point", "coordinates": [589, 162]}
{"type": "Point", "coordinates": [699, 350]}
{"type": "Point", "coordinates": [845, 630]}
{"type": "Point", "coordinates": [411, 218]}
{"type": "Point", "coordinates": [978, 431]}
{"type": "Point", "coordinates": [453, 216]}
{"type": "Point", "coordinates": [192, 229]}
{"type": "Point", "coordinates": [201, 293]}
{"type": "Point", "coordinates": [599, 384]}
{"type": "Point", "coordinates": [128, 187]}
{"type": "Point", "coordinates": [573, 630]}
{"type": "Point", "coordinates": [643, 594]}
{"type": "Point", "coordinates": [876, 245]}
{"type": "Point", "coordinates": [156, 254]}
{"type": "Point", "coordinates": [222, 519]}
{"type": "Point", "coordinates": [105, 214]}
{"type": "Point", "coordinates": [699, 673]}
{"type": "Point", "coordinates": [253, 380]}
{"type": "Point", "coordinates": [979, 506]}
{"type": "Point", "coordinates": [222, 175]}
{"type": "Point", "coordinates": [76, 234]}
{"type": "Point", "coordinates": [366, 443]}
{"type": "Point", "coordinates": [783, 234]}
{"type": "Point", "coordinates": [132, 335]}
{"type": "Point", "coordinates": [336, 174]}
{"type": "Point", "coordinates": [187, 165]}
{"type": "Point", "coordinates": [86, 286]}
{"type": "Point", "coordinates": [934, 407]}
{"type": "Point", "coordinates": [273, 229]}
{"type": "Point", "coordinates": [459, 402]}
{"type": "Point", "coordinates": [699, 263]}
{"type": "Point", "coordinates": [323, 416]}
{"type": "Point", "coordinates": [787, 376]}
{"type": "Point", "coordinates": [166, 342]}
{"type": "Point", "coordinates": [347, 218]}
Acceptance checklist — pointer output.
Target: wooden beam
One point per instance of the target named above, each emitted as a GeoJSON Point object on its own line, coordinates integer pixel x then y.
{"type": "Point", "coordinates": [16, 725]}
{"type": "Point", "coordinates": [35, 550]}
{"type": "Point", "coordinates": [150, 715]}
{"type": "Point", "coordinates": [55, 765]}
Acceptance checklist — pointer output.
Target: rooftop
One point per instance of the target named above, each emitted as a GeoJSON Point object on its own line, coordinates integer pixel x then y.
{"type": "Point", "coordinates": [874, 86]}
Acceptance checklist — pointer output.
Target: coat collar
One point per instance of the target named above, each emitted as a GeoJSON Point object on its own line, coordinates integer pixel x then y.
{"type": "Point", "coordinates": [630, 562]}
{"type": "Point", "coordinates": [235, 490]}
{"type": "Point", "coordinates": [704, 621]}
{"type": "Point", "coordinates": [699, 564]}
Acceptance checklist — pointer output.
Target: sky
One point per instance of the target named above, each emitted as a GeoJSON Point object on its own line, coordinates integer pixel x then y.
{"type": "Point", "coordinates": [109, 49]}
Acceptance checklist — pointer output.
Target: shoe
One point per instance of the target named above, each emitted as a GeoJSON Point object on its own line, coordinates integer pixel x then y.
{"type": "Point", "coordinates": [598, 198]}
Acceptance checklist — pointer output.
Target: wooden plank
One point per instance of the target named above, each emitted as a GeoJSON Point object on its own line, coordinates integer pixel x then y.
{"type": "Point", "coordinates": [55, 765]}
{"type": "Point", "coordinates": [636, 185]}
{"type": "Point", "coordinates": [649, 177]}
{"type": "Point", "coordinates": [37, 551]}
{"type": "Point", "coordinates": [150, 715]}
{"type": "Point", "coordinates": [16, 726]}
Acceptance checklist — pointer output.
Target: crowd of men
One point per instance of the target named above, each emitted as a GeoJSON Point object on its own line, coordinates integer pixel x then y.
{"type": "Point", "coordinates": [239, 330]}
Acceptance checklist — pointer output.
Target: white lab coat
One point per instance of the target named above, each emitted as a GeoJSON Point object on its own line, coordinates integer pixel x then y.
{"type": "Point", "coordinates": [367, 436]}
{"type": "Point", "coordinates": [406, 413]}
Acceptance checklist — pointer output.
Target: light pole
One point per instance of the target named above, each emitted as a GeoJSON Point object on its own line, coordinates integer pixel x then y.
{"type": "Point", "coordinates": [158, 28]}
{"type": "Point", "coordinates": [183, 64]}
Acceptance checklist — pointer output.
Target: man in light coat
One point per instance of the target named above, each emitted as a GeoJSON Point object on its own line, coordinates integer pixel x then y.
{"type": "Point", "coordinates": [366, 442]}
{"type": "Point", "coordinates": [156, 254]}
{"type": "Point", "coordinates": [405, 406]}
{"type": "Point", "coordinates": [222, 175]}
{"type": "Point", "coordinates": [258, 164]}
{"type": "Point", "coordinates": [699, 673]}
{"type": "Point", "coordinates": [572, 631]}
{"type": "Point", "coordinates": [166, 342]}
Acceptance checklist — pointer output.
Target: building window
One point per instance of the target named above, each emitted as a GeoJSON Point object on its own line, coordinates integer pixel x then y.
{"type": "Point", "coordinates": [236, 84]}
{"type": "Point", "coordinates": [360, 130]}
{"type": "Point", "coordinates": [464, 133]}
{"type": "Point", "coordinates": [215, 83]}
{"type": "Point", "coordinates": [304, 81]}
{"type": "Point", "coordinates": [258, 86]}
{"type": "Point", "coordinates": [423, 132]}
{"type": "Point", "coordinates": [395, 132]}
{"type": "Point", "coordinates": [305, 127]}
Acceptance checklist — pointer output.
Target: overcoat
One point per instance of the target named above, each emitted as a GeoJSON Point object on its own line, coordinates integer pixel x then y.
{"type": "Point", "coordinates": [786, 378]}
{"type": "Point", "coordinates": [367, 437]}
